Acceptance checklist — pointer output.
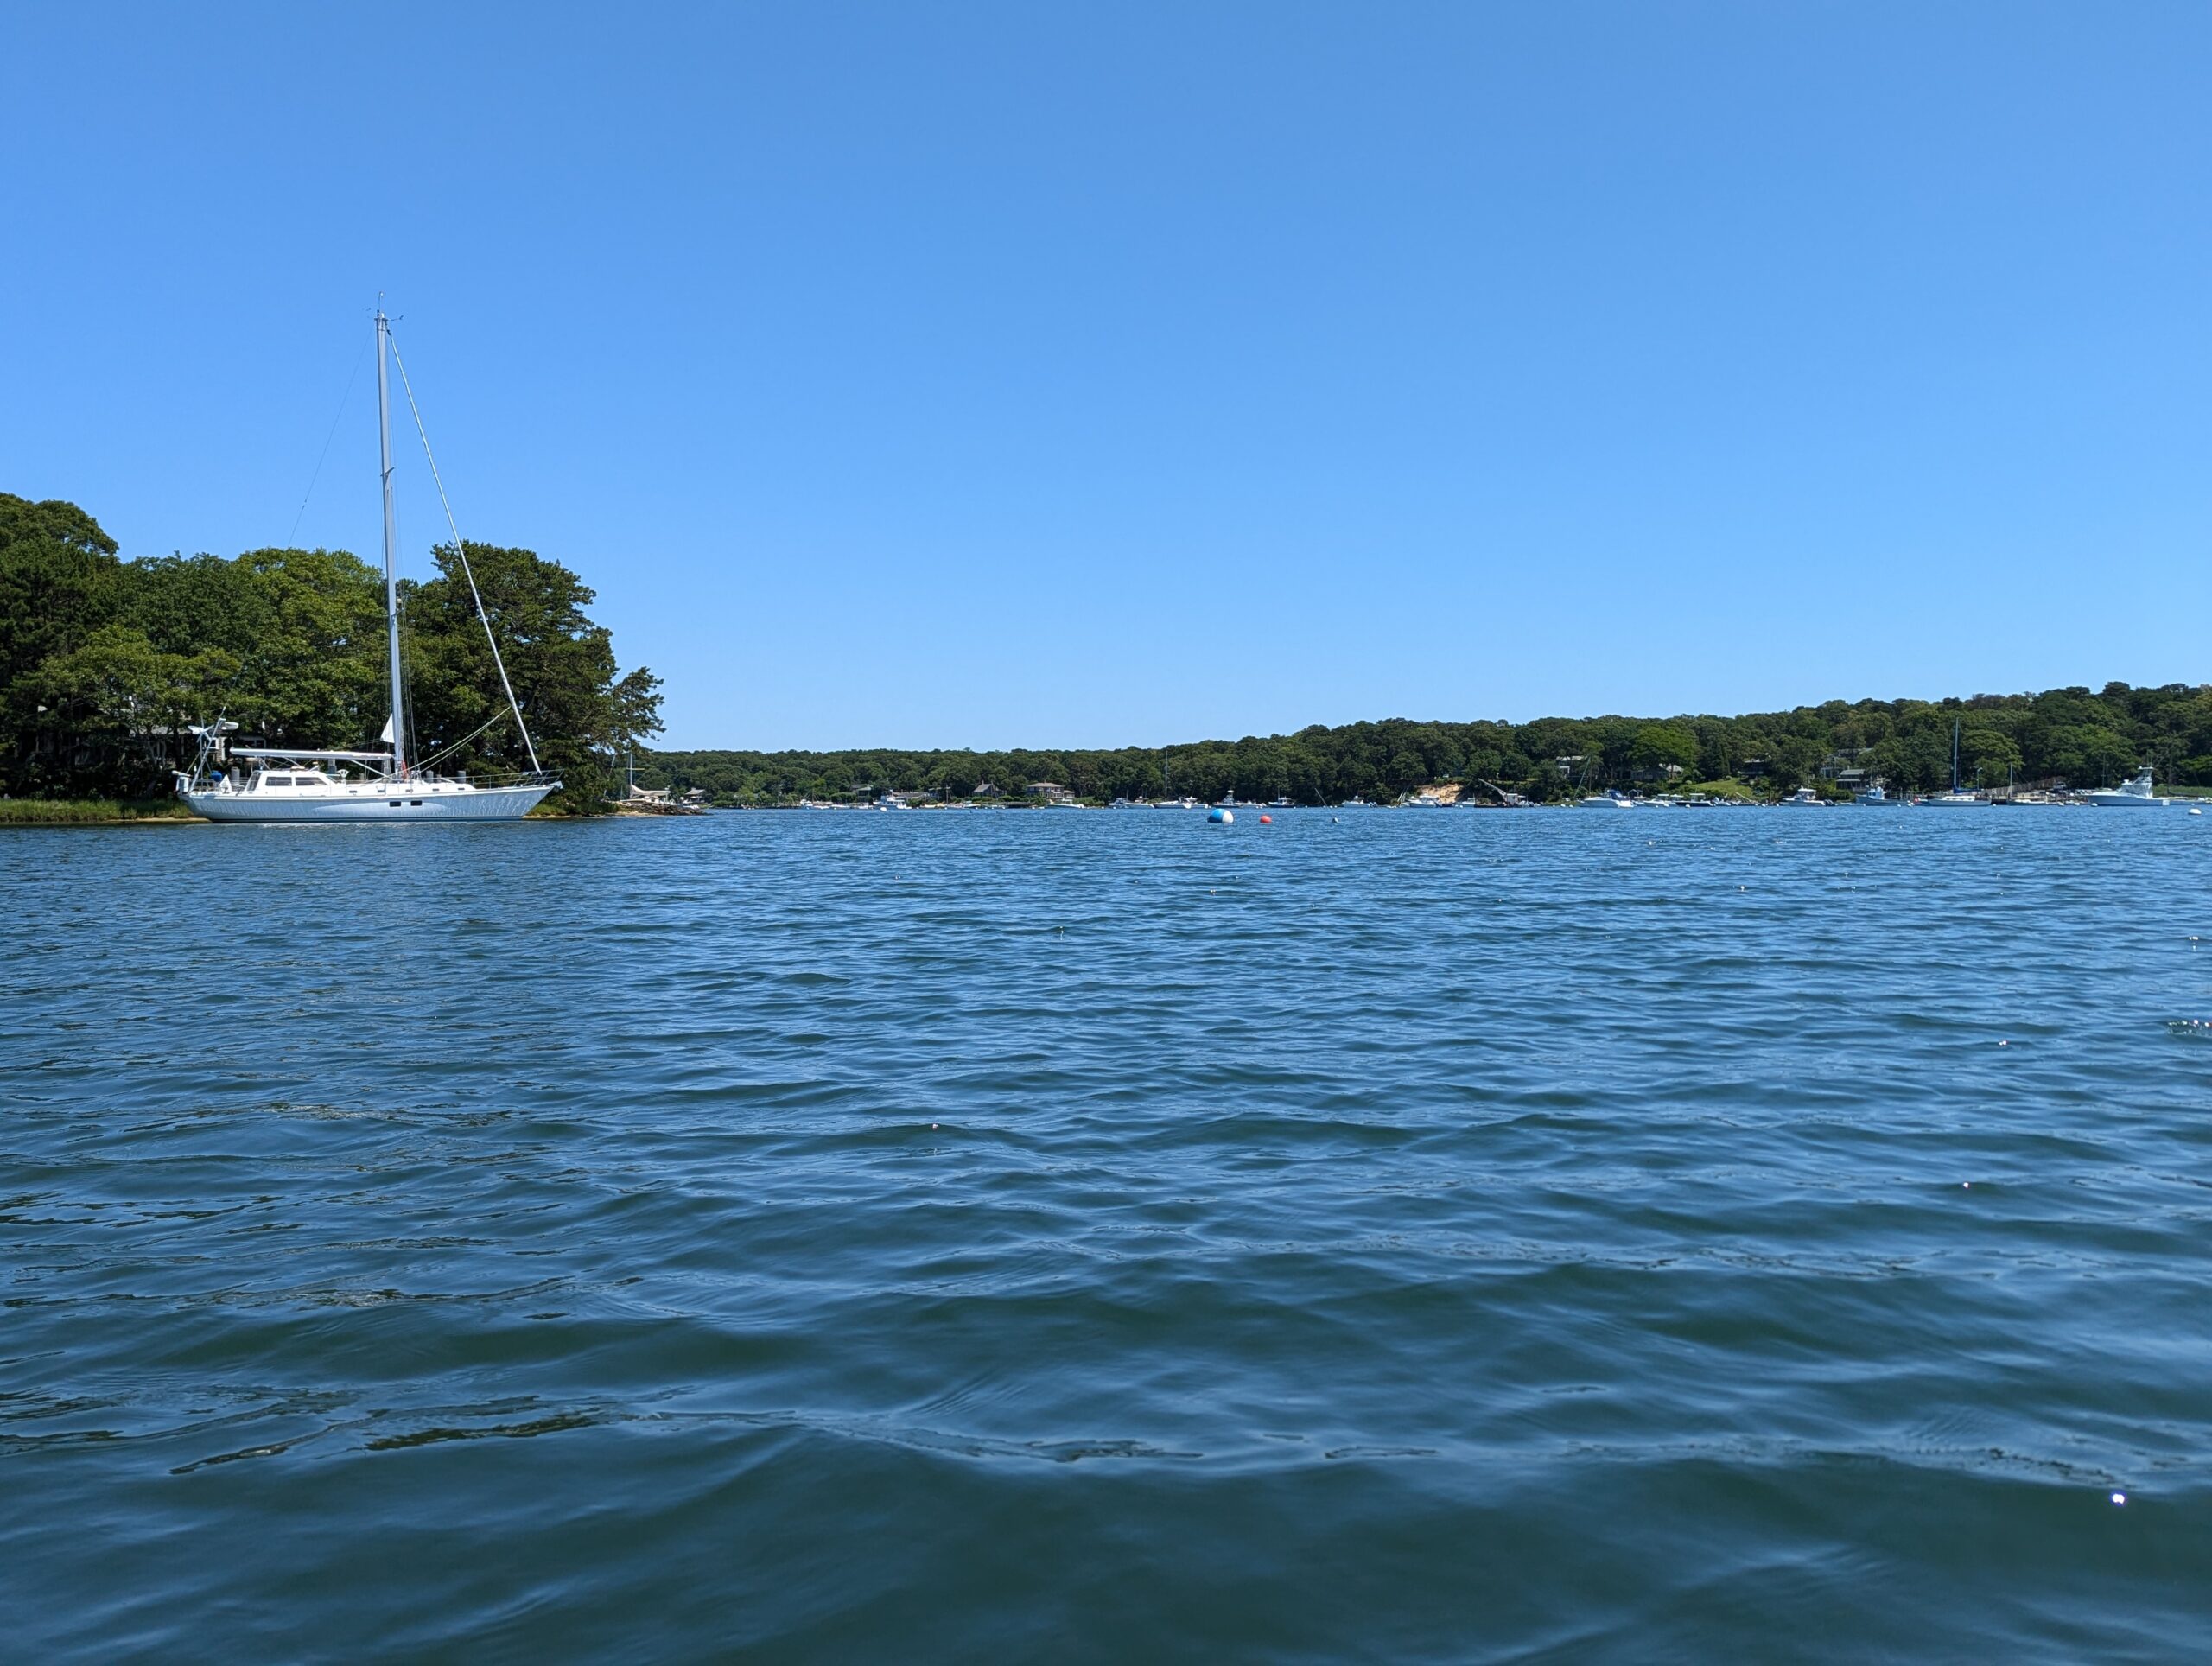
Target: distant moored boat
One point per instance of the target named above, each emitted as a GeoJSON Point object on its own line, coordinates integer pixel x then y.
{"type": "Point", "coordinates": [288, 785]}
{"type": "Point", "coordinates": [1957, 798]}
{"type": "Point", "coordinates": [2136, 793]}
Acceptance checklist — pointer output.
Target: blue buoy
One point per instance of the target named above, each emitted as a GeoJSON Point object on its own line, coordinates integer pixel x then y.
{"type": "Point", "coordinates": [1217, 814]}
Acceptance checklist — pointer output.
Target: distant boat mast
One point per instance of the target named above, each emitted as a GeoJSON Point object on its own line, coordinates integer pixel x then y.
{"type": "Point", "coordinates": [390, 544]}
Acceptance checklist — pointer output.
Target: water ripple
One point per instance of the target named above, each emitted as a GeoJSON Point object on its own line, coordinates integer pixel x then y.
{"type": "Point", "coordinates": [1443, 1236]}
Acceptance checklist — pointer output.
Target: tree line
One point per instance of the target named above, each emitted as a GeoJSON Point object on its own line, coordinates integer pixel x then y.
{"type": "Point", "coordinates": [105, 663]}
{"type": "Point", "coordinates": [2064, 735]}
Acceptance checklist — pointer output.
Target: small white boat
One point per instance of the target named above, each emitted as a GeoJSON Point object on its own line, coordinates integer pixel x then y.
{"type": "Point", "coordinates": [2136, 794]}
{"type": "Point", "coordinates": [1875, 794]}
{"type": "Point", "coordinates": [1803, 795]}
{"type": "Point", "coordinates": [1609, 800]}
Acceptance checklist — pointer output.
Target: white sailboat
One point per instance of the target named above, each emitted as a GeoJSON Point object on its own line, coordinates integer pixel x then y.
{"type": "Point", "coordinates": [279, 784]}
{"type": "Point", "coordinates": [1956, 799]}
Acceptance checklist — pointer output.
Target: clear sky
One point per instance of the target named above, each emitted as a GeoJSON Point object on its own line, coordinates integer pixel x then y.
{"type": "Point", "coordinates": [1025, 373]}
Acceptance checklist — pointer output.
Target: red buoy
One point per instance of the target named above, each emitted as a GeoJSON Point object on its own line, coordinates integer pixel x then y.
{"type": "Point", "coordinates": [1267, 818]}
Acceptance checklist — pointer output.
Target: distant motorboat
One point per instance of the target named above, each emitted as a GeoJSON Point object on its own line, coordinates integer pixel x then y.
{"type": "Point", "coordinates": [1279, 802]}
{"type": "Point", "coordinates": [1608, 800]}
{"type": "Point", "coordinates": [2135, 794]}
{"type": "Point", "coordinates": [1356, 803]}
{"type": "Point", "coordinates": [1803, 795]}
{"type": "Point", "coordinates": [1873, 795]}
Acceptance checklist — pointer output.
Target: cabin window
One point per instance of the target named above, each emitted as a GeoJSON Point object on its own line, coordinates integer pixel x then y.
{"type": "Point", "coordinates": [275, 780]}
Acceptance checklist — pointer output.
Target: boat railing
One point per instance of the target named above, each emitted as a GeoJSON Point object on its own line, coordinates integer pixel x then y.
{"type": "Point", "coordinates": [199, 779]}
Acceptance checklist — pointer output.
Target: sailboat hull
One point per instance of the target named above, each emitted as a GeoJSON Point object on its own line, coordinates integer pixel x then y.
{"type": "Point", "coordinates": [441, 802]}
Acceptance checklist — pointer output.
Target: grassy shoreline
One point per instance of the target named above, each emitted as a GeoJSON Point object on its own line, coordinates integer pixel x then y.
{"type": "Point", "coordinates": [91, 813]}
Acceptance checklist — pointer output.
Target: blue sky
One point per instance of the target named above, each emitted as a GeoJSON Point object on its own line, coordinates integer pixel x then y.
{"type": "Point", "coordinates": [1090, 374]}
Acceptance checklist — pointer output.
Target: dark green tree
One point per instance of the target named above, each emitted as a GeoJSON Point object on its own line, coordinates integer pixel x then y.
{"type": "Point", "coordinates": [583, 712]}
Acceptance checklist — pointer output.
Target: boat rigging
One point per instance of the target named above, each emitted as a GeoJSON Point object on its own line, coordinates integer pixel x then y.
{"type": "Point", "coordinates": [272, 784]}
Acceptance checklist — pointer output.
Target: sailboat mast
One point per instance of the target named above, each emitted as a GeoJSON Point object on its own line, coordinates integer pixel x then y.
{"type": "Point", "coordinates": [391, 545]}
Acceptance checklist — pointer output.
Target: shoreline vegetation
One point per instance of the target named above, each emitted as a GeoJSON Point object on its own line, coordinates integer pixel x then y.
{"type": "Point", "coordinates": [2060, 738]}
{"type": "Point", "coordinates": [93, 812]}
{"type": "Point", "coordinates": [107, 665]}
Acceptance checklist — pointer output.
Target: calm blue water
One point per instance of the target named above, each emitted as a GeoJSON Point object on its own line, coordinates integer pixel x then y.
{"type": "Point", "coordinates": [1694, 1235]}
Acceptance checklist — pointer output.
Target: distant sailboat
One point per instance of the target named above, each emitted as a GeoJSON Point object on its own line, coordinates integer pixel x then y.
{"type": "Point", "coordinates": [1955, 799]}
{"type": "Point", "coordinates": [278, 784]}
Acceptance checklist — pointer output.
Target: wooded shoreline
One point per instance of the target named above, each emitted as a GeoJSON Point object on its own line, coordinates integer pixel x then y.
{"type": "Point", "coordinates": [2069, 737]}
{"type": "Point", "coordinates": [109, 667]}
